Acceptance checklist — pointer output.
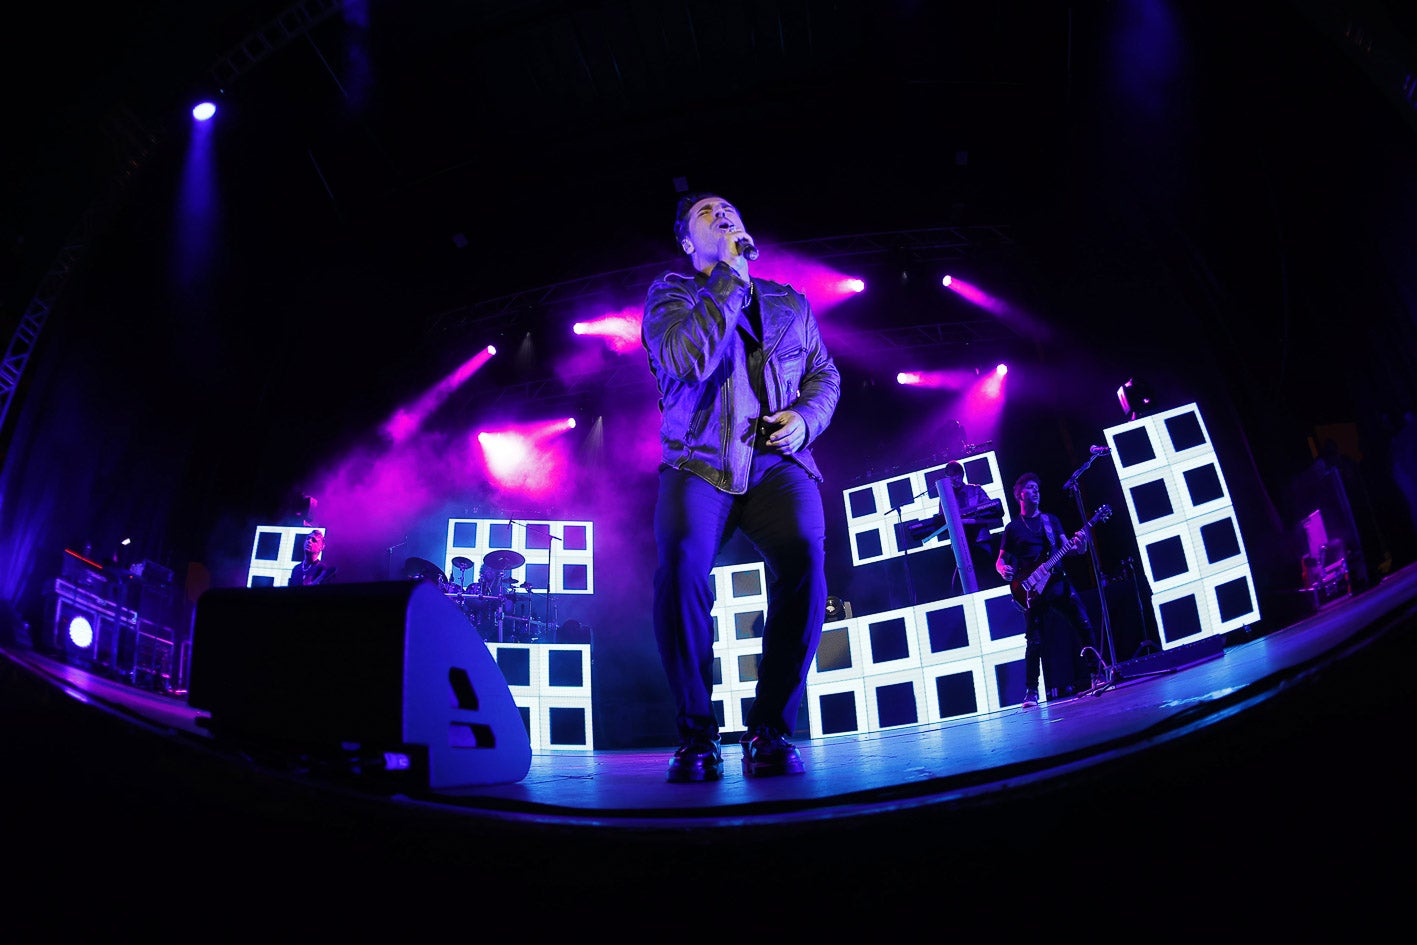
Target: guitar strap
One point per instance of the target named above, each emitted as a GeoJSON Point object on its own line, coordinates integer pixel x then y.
{"type": "Point", "coordinates": [1052, 536]}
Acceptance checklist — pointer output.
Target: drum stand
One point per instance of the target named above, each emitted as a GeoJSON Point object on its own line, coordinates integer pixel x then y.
{"type": "Point", "coordinates": [549, 608]}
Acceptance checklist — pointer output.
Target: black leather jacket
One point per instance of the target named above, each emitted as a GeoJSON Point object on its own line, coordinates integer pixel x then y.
{"type": "Point", "coordinates": [708, 408]}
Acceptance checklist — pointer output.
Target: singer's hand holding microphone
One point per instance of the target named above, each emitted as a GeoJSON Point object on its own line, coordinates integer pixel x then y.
{"type": "Point", "coordinates": [746, 247]}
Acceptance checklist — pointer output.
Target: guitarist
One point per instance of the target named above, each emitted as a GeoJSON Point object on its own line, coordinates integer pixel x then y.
{"type": "Point", "coordinates": [1028, 541]}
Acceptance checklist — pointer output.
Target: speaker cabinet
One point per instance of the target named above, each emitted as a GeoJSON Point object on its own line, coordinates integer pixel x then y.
{"type": "Point", "coordinates": [390, 667]}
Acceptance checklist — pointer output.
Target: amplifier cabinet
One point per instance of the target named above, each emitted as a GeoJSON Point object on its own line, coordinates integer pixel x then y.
{"type": "Point", "coordinates": [91, 629]}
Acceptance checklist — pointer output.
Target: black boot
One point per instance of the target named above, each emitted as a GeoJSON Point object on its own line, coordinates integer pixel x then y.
{"type": "Point", "coordinates": [766, 753]}
{"type": "Point", "coordinates": [699, 758]}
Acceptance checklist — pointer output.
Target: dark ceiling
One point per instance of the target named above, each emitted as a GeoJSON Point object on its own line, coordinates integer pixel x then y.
{"type": "Point", "coordinates": [552, 135]}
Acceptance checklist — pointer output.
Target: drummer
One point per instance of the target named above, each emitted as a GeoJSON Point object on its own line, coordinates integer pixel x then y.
{"type": "Point", "coordinates": [491, 581]}
{"type": "Point", "coordinates": [495, 578]}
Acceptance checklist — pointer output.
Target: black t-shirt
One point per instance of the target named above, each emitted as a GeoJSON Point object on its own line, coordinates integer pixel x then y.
{"type": "Point", "coordinates": [317, 573]}
{"type": "Point", "coordinates": [1029, 541]}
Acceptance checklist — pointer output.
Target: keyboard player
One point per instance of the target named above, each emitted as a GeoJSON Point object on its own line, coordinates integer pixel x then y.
{"type": "Point", "coordinates": [978, 514]}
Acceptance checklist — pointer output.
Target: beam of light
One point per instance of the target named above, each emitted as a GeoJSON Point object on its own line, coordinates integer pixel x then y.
{"type": "Point", "coordinates": [825, 287]}
{"type": "Point", "coordinates": [527, 460]}
{"type": "Point", "coordinates": [409, 419]}
{"type": "Point", "coordinates": [550, 428]}
{"type": "Point", "coordinates": [1009, 314]}
{"type": "Point", "coordinates": [358, 77]}
{"type": "Point", "coordinates": [197, 217]}
{"type": "Point", "coordinates": [505, 452]}
{"type": "Point", "coordinates": [620, 331]}
{"type": "Point", "coordinates": [991, 384]}
{"type": "Point", "coordinates": [203, 111]}
{"type": "Point", "coordinates": [957, 379]}
{"type": "Point", "coordinates": [963, 399]}
{"type": "Point", "coordinates": [982, 405]}
{"type": "Point", "coordinates": [594, 442]}
{"type": "Point", "coordinates": [526, 353]}
{"type": "Point", "coordinates": [976, 295]}
{"type": "Point", "coordinates": [196, 241]}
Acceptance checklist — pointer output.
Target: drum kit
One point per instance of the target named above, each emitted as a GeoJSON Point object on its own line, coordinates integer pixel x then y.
{"type": "Point", "coordinates": [489, 602]}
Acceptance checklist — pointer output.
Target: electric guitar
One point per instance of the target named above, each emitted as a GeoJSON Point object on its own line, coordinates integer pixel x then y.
{"type": "Point", "coordinates": [1028, 583]}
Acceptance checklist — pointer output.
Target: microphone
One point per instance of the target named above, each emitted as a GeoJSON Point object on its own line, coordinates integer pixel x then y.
{"type": "Point", "coordinates": [746, 247]}
{"type": "Point", "coordinates": [1099, 450]}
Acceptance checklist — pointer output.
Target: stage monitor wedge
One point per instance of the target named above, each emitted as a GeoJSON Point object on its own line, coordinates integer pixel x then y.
{"type": "Point", "coordinates": [387, 666]}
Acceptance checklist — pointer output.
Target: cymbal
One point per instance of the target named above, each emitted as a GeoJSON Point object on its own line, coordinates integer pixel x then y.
{"type": "Point", "coordinates": [503, 560]}
{"type": "Point", "coordinates": [461, 563]}
{"type": "Point", "coordinates": [422, 568]}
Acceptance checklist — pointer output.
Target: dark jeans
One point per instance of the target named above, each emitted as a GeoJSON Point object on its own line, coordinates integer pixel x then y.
{"type": "Point", "coordinates": [781, 514]}
{"type": "Point", "coordinates": [1061, 599]}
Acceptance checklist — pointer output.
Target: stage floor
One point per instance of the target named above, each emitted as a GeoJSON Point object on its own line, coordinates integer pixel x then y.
{"type": "Point", "coordinates": [930, 764]}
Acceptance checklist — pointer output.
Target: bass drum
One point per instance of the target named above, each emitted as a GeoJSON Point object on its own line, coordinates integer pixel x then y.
{"type": "Point", "coordinates": [524, 630]}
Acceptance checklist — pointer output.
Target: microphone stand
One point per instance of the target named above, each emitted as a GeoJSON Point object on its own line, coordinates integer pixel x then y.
{"type": "Point", "coordinates": [1111, 675]}
{"type": "Point", "coordinates": [550, 576]}
{"type": "Point", "coordinates": [390, 570]}
{"type": "Point", "coordinates": [905, 552]}
{"type": "Point", "coordinates": [1109, 664]}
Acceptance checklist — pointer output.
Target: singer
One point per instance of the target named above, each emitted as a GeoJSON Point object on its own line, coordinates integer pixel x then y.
{"type": "Point", "coordinates": [746, 385]}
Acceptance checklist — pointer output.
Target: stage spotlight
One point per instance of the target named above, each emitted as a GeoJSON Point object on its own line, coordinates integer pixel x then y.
{"type": "Point", "coordinates": [908, 377]}
{"type": "Point", "coordinates": [1135, 396]}
{"type": "Point", "coordinates": [856, 285]}
{"type": "Point", "coordinates": [946, 281]}
{"type": "Point", "coordinates": [204, 110]}
{"type": "Point", "coordinates": [1001, 369]}
{"type": "Point", "coordinates": [619, 331]}
{"type": "Point", "coordinates": [81, 632]}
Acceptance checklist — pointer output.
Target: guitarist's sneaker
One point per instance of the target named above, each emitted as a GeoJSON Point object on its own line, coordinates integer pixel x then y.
{"type": "Point", "coordinates": [1030, 698]}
